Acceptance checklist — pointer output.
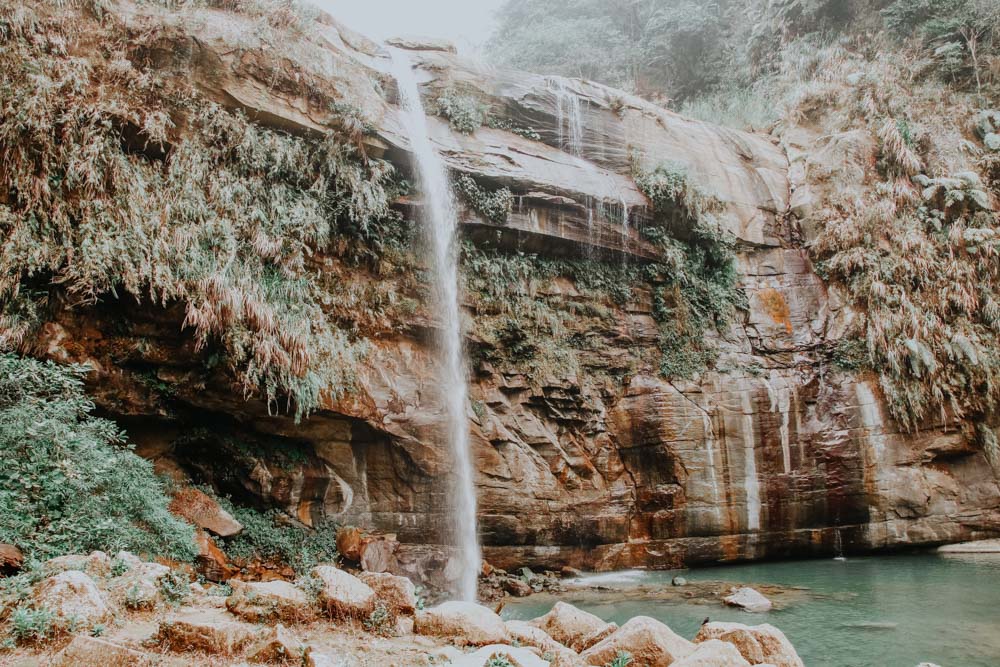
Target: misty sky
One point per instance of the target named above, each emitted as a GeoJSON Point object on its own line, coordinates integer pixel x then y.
{"type": "Point", "coordinates": [466, 22]}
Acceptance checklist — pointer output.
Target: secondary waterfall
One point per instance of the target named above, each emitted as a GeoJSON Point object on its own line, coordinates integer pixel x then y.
{"type": "Point", "coordinates": [442, 223]}
{"type": "Point", "coordinates": [569, 117]}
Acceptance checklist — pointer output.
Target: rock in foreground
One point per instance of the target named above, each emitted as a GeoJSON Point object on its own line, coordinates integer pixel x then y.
{"type": "Point", "coordinates": [758, 644]}
{"type": "Point", "coordinates": [465, 622]}
{"type": "Point", "coordinates": [648, 641]}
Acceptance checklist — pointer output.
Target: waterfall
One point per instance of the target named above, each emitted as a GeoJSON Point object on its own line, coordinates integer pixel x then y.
{"type": "Point", "coordinates": [442, 223]}
{"type": "Point", "coordinates": [569, 117]}
{"type": "Point", "coordinates": [751, 484]}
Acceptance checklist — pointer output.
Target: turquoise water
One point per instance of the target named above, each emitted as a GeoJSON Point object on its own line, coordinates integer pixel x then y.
{"type": "Point", "coordinates": [885, 611]}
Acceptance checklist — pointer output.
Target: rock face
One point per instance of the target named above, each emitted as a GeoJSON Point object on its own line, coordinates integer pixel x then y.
{"type": "Point", "coordinates": [775, 454]}
{"type": "Point", "coordinates": [269, 601]}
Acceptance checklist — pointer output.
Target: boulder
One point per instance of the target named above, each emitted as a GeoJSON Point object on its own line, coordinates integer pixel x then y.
{"type": "Point", "coordinates": [200, 509]}
{"type": "Point", "coordinates": [140, 587]}
{"type": "Point", "coordinates": [488, 656]}
{"type": "Point", "coordinates": [397, 593]}
{"type": "Point", "coordinates": [96, 564]}
{"type": "Point", "coordinates": [204, 632]}
{"type": "Point", "coordinates": [211, 562]}
{"type": "Point", "coordinates": [568, 625]}
{"type": "Point", "coordinates": [757, 643]}
{"type": "Point", "coordinates": [11, 559]}
{"type": "Point", "coordinates": [713, 653]}
{"type": "Point", "coordinates": [568, 572]}
{"type": "Point", "coordinates": [343, 595]}
{"type": "Point", "coordinates": [84, 650]}
{"type": "Point", "coordinates": [349, 541]}
{"type": "Point", "coordinates": [379, 555]}
{"type": "Point", "coordinates": [748, 599]}
{"type": "Point", "coordinates": [279, 646]}
{"type": "Point", "coordinates": [270, 601]}
{"type": "Point", "coordinates": [517, 587]}
{"type": "Point", "coordinates": [127, 559]}
{"type": "Point", "coordinates": [594, 637]}
{"type": "Point", "coordinates": [414, 43]}
{"type": "Point", "coordinates": [678, 581]}
{"type": "Point", "coordinates": [526, 634]}
{"type": "Point", "coordinates": [648, 641]}
{"type": "Point", "coordinates": [73, 598]}
{"type": "Point", "coordinates": [465, 622]}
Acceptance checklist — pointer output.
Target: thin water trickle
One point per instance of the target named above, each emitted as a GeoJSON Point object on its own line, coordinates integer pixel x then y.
{"type": "Point", "coordinates": [442, 223]}
{"type": "Point", "coordinates": [569, 116]}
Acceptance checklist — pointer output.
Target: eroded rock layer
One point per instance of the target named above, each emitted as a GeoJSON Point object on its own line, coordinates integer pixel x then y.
{"type": "Point", "coordinates": [774, 453]}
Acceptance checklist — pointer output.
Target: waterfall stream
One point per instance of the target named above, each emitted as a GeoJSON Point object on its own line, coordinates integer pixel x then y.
{"type": "Point", "coordinates": [442, 223]}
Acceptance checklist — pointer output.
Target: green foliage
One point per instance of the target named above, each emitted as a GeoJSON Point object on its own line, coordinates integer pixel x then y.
{"type": "Point", "coordinates": [380, 621]}
{"type": "Point", "coordinates": [622, 659]}
{"type": "Point", "coordinates": [30, 625]}
{"type": "Point", "coordinates": [465, 113]}
{"type": "Point", "coordinates": [175, 586]}
{"type": "Point", "coordinates": [851, 354]}
{"type": "Point", "coordinates": [499, 661]}
{"type": "Point", "coordinates": [498, 123]}
{"type": "Point", "coordinates": [495, 205]}
{"type": "Point", "coordinates": [69, 482]}
{"type": "Point", "coordinates": [697, 289]}
{"type": "Point", "coordinates": [119, 182]}
{"type": "Point", "coordinates": [272, 536]}
{"type": "Point", "coordinates": [926, 278]}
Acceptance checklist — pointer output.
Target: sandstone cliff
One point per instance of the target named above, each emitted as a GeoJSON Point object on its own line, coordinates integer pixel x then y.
{"type": "Point", "coordinates": [773, 452]}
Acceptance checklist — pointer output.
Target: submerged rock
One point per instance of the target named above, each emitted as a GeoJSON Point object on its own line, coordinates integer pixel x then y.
{"type": "Point", "coordinates": [465, 622]}
{"type": "Point", "coordinates": [748, 599]}
{"type": "Point", "coordinates": [648, 641]}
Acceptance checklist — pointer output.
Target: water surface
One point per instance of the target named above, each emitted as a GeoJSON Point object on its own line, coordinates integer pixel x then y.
{"type": "Point", "coordinates": [884, 611]}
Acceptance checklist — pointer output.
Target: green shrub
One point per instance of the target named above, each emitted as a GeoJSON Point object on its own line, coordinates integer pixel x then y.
{"type": "Point", "coordinates": [29, 624]}
{"type": "Point", "coordinates": [464, 112]}
{"type": "Point", "coordinates": [272, 536]}
{"type": "Point", "coordinates": [495, 205]}
{"type": "Point", "coordinates": [696, 285]}
{"type": "Point", "coordinates": [69, 482]}
{"type": "Point", "coordinates": [622, 659]}
{"type": "Point", "coordinates": [380, 621]}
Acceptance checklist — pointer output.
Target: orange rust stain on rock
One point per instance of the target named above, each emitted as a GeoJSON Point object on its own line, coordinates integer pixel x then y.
{"type": "Point", "coordinates": [776, 307]}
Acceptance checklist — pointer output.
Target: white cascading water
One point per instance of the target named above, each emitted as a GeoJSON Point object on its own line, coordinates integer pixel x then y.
{"type": "Point", "coordinates": [569, 116]}
{"type": "Point", "coordinates": [442, 223]}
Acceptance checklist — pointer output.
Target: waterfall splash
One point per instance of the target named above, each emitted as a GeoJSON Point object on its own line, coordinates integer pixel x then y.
{"type": "Point", "coordinates": [442, 223]}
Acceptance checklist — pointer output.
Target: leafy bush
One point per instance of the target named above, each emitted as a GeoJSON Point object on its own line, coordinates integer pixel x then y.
{"type": "Point", "coordinates": [380, 621]}
{"type": "Point", "coordinates": [464, 112]}
{"type": "Point", "coordinates": [69, 482]}
{"type": "Point", "coordinates": [697, 289]}
{"type": "Point", "coordinates": [29, 624]}
{"type": "Point", "coordinates": [495, 206]}
{"type": "Point", "coordinates": [622, 659]}
{"type": "Point", "coordinates": [272, 536]}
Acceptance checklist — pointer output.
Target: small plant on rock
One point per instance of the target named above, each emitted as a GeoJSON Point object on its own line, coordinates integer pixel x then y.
{"type": "Point", "coordinates": [29, 624]}
{"type": "Point", "coordinates": [495, 206]}
{"type": "Point", "coordinates": [175, 587]}
{"type": "Point", "coordinates": [380, 621]}
{"type": "Point", "coordinates": [499, 661]}
{"type": "Point", "coordinates": [464, 112]}
{"type": "Point", "coordinates": [623, 659]}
